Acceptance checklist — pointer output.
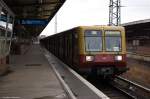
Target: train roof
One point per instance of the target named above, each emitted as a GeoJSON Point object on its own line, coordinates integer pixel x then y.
{"type": "Point", "coordinates": [91, 27]}
{"type": "Point", "coordinates": [101, 26]}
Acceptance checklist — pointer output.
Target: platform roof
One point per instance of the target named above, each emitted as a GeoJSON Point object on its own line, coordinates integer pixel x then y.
{"type": "Point", "coordinates": [136, 22]}
{"type": "Point", "coordinates": [138, 29]}
{"type": "Point", "coordinates": [34, 9]}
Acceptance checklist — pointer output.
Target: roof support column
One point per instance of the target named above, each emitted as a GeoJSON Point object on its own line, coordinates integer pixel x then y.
{"type": "Point", "coordinates": [13, 20]}
{"type": "Point", "coordinates": [0, 11]}
{"type": "Point", "coordinates": [6, 33]}
{"type": "Point", "coordinates": [56, 23]}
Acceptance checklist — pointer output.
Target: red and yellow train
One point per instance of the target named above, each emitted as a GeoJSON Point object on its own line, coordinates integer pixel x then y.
{"type": "Point", "coordinates": [97, 50]}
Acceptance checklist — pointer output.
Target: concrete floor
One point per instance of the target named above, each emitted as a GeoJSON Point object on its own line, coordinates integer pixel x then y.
{"type": "Point", "coordinates": [30, 77]}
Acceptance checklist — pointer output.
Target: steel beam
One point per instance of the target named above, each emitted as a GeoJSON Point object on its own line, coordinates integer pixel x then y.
{"type": "Point", "coordinates": [36, 4]}
{"type": "Point", "coordinates": [3, 5]}
{"type": "Point", "coordinates": [115, 12]}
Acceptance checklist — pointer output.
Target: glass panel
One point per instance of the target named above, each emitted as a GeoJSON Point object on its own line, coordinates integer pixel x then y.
{"type": "Point", "coordinates": [3, 19]}
{"type": "Point", "coordinates": [93, 33]}
{"type": "Point", "coordinates": [112, 33]}
{"type": "Point", "coordinates": [93, 43]}
{"type": "Point", "coordinates": [93, 40]}
{"type": "Point", "coordinates": [113, 41]}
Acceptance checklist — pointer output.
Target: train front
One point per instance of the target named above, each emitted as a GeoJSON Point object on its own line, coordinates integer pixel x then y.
{"type": "Point", "coordinates": [102, 50]}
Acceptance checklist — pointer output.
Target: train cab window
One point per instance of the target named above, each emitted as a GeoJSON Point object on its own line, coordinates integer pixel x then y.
{"type": "Point", "coordinates": [93, 40]}
{"type": "Point", "coordinates": [113, 41]}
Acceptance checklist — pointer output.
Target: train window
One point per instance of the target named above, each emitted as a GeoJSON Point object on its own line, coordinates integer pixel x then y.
{"type": "Point", "coordinates": [93, 33]}
{"type": "Point", "coordinates": [93, 40]}
{"type": "Point", "coordinates": [112, 33]}
{"type": "Point", "coordinates": [113, 41]}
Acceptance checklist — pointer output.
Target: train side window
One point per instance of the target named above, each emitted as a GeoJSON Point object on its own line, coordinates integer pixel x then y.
{"type": "Point", "coordinates": [76, 36]}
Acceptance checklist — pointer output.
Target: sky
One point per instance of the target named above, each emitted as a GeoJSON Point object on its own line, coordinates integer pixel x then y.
{"type": "Point", "coordinates": [95, 12]}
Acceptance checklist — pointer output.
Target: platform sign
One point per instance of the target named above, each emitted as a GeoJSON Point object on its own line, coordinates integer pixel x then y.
{"type": "Point", "coordinates": [3, 18]}
{"type": "Point", "coordinates": [33, 22]}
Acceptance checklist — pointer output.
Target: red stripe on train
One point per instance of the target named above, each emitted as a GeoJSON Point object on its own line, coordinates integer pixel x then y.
{"type": "Point", "coordinates": [103, 60]}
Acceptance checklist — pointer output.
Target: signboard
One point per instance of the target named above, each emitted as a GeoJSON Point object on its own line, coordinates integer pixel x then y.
{"type": "Point", "coordinates": [3, 18]}
{"type": "Point", "coordinates": [33, 22]}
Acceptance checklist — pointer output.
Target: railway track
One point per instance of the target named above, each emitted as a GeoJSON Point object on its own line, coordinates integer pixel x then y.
{"type": "Point", "coordinates": [134, 90]}
{"type": "Point", "coordinates": [112, 92]}
{"type": "Point", "coordinates": [108, 89]}
{"type": "Point", "coordinates": [121, 88]}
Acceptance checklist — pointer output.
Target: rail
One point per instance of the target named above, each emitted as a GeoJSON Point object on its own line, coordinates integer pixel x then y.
{"type": "Point", "coordinates": [131, 88]}
{"type": "Point", "coordinates": [109, 89]}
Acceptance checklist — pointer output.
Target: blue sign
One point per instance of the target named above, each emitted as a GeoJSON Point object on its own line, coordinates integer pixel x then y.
{"type": "Point", "coordinates": [3, 18]}
{"type": "Point", "coordinates": [34, 22]}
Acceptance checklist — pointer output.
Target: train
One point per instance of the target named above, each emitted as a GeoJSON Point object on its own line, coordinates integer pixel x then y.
{"type": "Point", "coordinates": [96, 50]}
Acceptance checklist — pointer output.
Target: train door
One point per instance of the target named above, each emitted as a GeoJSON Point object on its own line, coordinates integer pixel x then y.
{"type": "Point", "coordinates": [75, 48]}
{"type": "Point", "coordinates": [70, 47]}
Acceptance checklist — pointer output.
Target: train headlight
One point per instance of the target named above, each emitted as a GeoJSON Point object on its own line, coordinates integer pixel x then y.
{"type": "Point", "coordinates": [89, 58]}
{"type": "Point", "coordinates": [118, 58]}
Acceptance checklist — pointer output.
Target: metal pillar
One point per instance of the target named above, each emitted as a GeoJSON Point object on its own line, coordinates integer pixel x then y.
{"type": "Point", "coordinates": [114, 12]}
{"type": "Point", "coordinates": [13, 20]}
{"type": "Point", "coordinates": [6, 34]}
{"type": "Point", "coordinates": [56, 23]}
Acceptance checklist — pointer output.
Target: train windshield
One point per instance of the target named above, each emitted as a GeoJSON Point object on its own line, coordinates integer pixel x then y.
{"type": "Point", "coordinates": [93, 40]}
{"type": "Point", "coordinates": [113, 41]}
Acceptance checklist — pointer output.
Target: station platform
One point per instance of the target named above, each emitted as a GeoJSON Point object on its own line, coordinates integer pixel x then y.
{"type": "Point", "coordinates": [138, 56]}
{"type": "Point", "coordinates": [30, 77]}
